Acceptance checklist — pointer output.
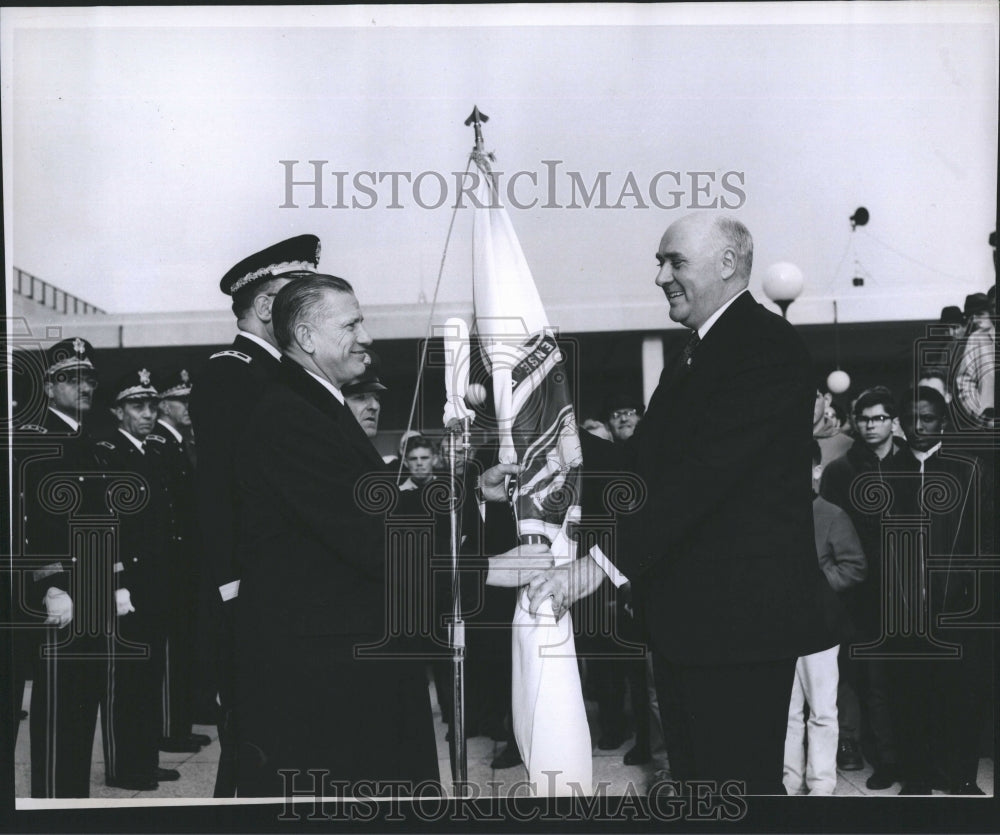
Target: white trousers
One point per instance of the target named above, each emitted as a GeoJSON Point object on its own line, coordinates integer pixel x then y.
{"type": "Point", "coordinates": [811, 748]}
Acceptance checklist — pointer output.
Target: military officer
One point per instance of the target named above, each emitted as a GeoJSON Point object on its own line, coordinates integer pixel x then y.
{"type": "Point", "coordinates": [182, 565]}
{"type": "Point", "coordinates": [133, 717]}
{"type": "Point", "coordinates": [222, 397]}
{"type": "Point", "coordinates": [62, 591]}
{"type": "Point", "coordinates": [364, 396]}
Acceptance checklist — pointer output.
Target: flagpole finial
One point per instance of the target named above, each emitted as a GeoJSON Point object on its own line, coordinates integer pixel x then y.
{"type": "Point", "coordinates": [476, 118]}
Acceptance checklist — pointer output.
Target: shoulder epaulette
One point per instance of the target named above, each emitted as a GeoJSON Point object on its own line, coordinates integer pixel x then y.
{"type": "Point", "coordinates": [158, 438]}
{"type": "Point", "coordinates": [231, 353]}
{"type": "Point", "coordinates": [33, 427]}
{"type": "Point", "coordinates": [107, 444]}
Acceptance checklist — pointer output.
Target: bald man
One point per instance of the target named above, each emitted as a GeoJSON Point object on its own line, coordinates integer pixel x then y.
{"type": "Point", "coordinates": [721, 551]}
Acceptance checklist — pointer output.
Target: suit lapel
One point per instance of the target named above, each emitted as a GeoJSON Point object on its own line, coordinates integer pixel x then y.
{"type": "Point", "coordinates": [317, 395]}
{"type": "Point", "coordinates": [678, 393]}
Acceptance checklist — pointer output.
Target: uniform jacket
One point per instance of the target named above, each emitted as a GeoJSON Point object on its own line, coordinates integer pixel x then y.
{"type": "Point", "coordinates": [58, 484]}
{"type": "Point", "coordinates": [183, 543]}
{"type": "Point", "coordinates": [223, 396]}
{"type": "Point", "coordinates": [45, 451]}
{"type": "Point", "coordinates": [143, 522]}
{"type": "Point", "coordinates": [721, 551]}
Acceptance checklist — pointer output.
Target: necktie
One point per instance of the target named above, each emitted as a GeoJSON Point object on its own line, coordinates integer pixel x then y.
{"type": "Point", "coordinates": [687, 355]}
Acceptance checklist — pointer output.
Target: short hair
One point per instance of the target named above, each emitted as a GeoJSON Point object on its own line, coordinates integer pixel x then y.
{"type": "Point", "coordinates": [927, 394]}
{"type": "Point", "coordinates": [733, 233]}
{"type": "Point", "coordinates": [243, 298]}
{"type": "Point", "coordinates": [838, 410]}
{"type": "Point", "coordinates": [875, 396]}
{"type": "Point", "coordinates": [417, 442]}
{"type": "Point", "coordinates": [935, 373]}
{"type": "Point", "coordinates": [817, 453]}
{"type": "Point", "coordinates": [301, 299]}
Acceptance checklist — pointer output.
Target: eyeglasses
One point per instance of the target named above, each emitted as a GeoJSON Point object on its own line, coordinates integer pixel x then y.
{"type": "Point", "coordinates": [624, 413]}
{"type": "Point", "coordinates": [873, 419]}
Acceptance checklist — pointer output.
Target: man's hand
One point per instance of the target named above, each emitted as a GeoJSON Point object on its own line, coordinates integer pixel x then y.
{"type": "Point", "coordinates": [493, 482]}
{"type": "Point", "coordinates": [519, 565]}
{"type": "Point", "coordinates": [565, 584]}
{"type": "Point", "coordinates": [58, 607]}
{"type": "Point", "coordinates": [123, 602]}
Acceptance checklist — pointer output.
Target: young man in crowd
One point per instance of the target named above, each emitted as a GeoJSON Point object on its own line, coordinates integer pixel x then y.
{"type": "Point", "coordinates": [940, 683]}
{"type": "Point", "coordinates": [865, 680]}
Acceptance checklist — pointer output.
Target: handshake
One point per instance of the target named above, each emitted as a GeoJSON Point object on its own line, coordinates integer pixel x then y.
{"type": "Point", "coordinates": [532, 565]}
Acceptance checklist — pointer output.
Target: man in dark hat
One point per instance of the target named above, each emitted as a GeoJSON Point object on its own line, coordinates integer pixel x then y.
{"type": "Point", "coordinates": [55, 453]}
{"type": "Point", "coordinates": [951, 317]}
{"type": "Point", "coordinates": [364, 396]}
{"type": "Point", "coordinates": [224, 395]}
{"type": "Point", "coordinates": [182, 563]}
{"type": "Point", "coordinates": [975, 375]}
{"type": "Point", "coordinates": [132, 720]}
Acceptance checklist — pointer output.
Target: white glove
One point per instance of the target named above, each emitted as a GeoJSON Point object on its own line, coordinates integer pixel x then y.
{"type": "Point", "coordinates": [58, 607]}
{"type": "Point", "coordinates": [123, 602]}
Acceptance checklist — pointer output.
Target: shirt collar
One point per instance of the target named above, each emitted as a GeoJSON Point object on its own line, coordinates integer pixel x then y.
{"type": "Point", "coordinates": [267, 346]}
{"type": "Point", "coordinates": [172, 431]}
{"type": "Point", "coordinates": [135, 441]}
{"type": "Point", "coordinates": [330, 387]}
{"type": "Point", "coordinates": [923, 456]}
{"type": "Point", "coordinates": [711, 320]}
{"type": "Point", "coordinates": [73, 424]}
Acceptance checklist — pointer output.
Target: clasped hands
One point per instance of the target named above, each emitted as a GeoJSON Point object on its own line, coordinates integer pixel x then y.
{"type": "Point", "coordinates": [531, 565]}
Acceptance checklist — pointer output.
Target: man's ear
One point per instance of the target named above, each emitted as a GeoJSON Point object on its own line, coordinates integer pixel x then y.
{"type": "Point", "coordinates": [262, 307]}
{"type": "Point", "coordinates": [50, 389]}
{"type": "Point", "coordinates": [118, 412]}
{"type": "Point", "coordinates": [727, 262]}
{"type": "Point", "coordinates": [304, 337]}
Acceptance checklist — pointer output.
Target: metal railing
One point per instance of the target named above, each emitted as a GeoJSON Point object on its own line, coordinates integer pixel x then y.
{"type": "Point", "coordinates": [31, 287]}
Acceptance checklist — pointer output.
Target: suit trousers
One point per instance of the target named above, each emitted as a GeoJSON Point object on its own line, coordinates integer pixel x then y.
{"type": "Point", "coordinates": [348, 719]}
{"type": "Point", "coordinates": [133, 718]}
{"type": "Point", "coordinates": [69, 685]}
{"type": "Point", "coordinates": [726, 722]}
{"type": "Point", "coordinates": [815, 687]}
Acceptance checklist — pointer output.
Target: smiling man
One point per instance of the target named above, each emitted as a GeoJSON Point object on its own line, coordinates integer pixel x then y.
{"type": "Point", "coordinates": [721, 553]}
{"type": "Point", "coordinates": [313, 585]}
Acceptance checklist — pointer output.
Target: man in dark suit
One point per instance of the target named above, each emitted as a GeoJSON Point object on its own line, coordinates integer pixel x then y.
{"type": "Point", "coordinates": [223, 395]}
{"type": "Point", "coordinates": [313, 572]}
{"type": "Point", "coordinates": [721, 550]}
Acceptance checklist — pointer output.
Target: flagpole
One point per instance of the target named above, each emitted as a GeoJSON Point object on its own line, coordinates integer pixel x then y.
{"type": "Point", "coordinates": [458, 444]}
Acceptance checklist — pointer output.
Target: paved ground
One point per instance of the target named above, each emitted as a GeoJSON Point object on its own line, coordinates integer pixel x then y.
{"type": "Point", "coordinates": [198, 770]}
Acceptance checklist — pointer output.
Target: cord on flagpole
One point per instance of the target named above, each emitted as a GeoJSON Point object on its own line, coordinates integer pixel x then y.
{"type": "Point", "coordinates": [430, 325]}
